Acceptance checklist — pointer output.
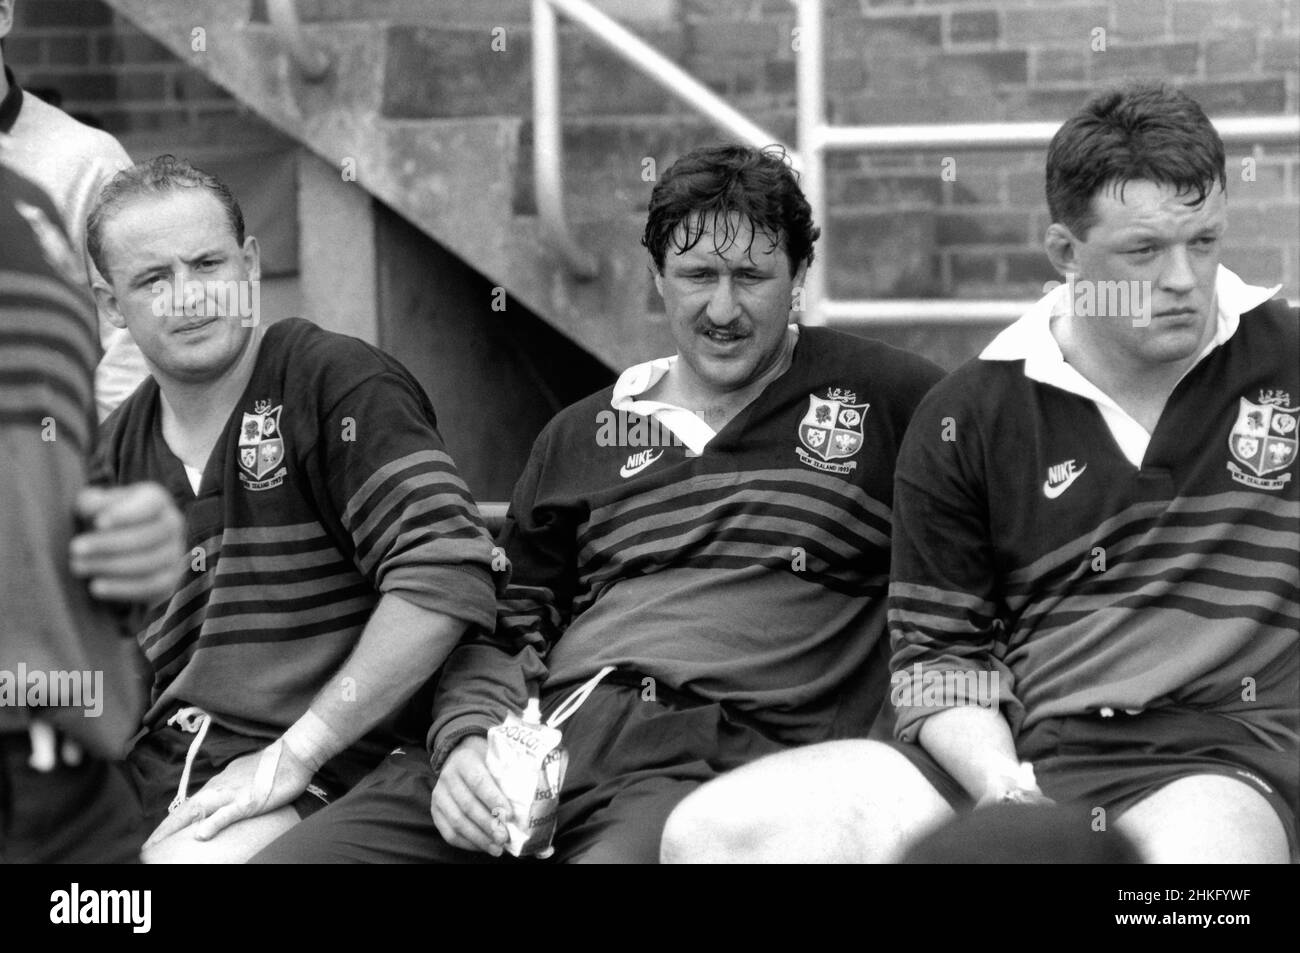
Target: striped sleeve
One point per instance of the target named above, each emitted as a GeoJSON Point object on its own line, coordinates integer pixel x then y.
{"type": "Point", "coordinates": [489, 673]}
{"type": "Point", "coordinates": [50, 623]}
{"type": "Point", "coordinates": [413, 525]}
{"type": "Point", "coordinates": [944, 619]}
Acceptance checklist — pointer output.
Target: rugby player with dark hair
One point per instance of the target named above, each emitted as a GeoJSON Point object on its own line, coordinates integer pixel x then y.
{"type": "Point", "coordinates": [1099, 516]}
{"type": "Point", "coordinates": [733, 578]}
{"type": "Point", "coordinates": [334, 554]}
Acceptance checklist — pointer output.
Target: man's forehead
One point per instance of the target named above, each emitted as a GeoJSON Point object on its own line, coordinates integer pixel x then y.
{"type": "Point", "coordinates": [168, 215]}
{"type": "Point", "coordinates": [731, 237]}
{"type": "Point", "coordinates": [1139, 200]}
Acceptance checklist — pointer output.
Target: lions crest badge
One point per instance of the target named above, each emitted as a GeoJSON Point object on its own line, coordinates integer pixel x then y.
{"type": "Point", "coordinates": [1263, 440]}
{"type": "Point", "coordinates": [261, 447]}
{"type": "Point", "coordinates": [831, 429]}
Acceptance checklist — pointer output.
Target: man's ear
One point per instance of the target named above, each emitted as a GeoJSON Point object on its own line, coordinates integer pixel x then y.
{"type": "Point", "coordinates": [1062, 249]}
{"type": "Point", "coordinates": [107, 302]}
{"type": "Point", "coordinates": [252, 259]}
{"type": "Point", "coordinates": [6, 17]}
{"type": "Point", "coordinates": [659, 279]}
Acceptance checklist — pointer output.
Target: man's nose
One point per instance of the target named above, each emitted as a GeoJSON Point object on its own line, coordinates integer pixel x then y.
{"type": "Point", "coordinates": [1178, 275]}
{"type": "Point", "coordinates": [723, 307]}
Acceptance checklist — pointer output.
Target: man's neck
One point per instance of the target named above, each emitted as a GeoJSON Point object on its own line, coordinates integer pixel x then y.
{"type": "Point", "coordinates": [716, 408]}
{"type": "Point", "coordinates": [198, 411]}
{"type": "Point", "coordinates": [1140, 389]}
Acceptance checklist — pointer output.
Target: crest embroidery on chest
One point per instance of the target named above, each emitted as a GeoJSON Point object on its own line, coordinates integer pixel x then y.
{"type": "Point", "coordinates": [1263, 440]}
{"type": "Point", "coordinates": [831, 430]}
{"type": "Point", "coordinates": [261, 447]}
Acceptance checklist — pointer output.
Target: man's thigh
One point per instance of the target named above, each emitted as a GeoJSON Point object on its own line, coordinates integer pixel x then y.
{"type": "Point", "coordinates": [628, 827]}
{"type": "Point", "coordinates": [1206, 818]}
{"type": "Point", "coordinates": [841, 801]}
{"type": "Point", "coordinates": [232, 845]}
{"type": "Point", "coordinates": [1202, 785]}
{"type": "Point", "coordinates": [384, 819]}
{"type": "Point", "coordinates": [632, 760]}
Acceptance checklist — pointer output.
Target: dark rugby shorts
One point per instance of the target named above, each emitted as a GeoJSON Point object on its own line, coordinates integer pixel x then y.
{"type": "Point", "coordinates": [157, 760]}
{"type": "Point", "coordinates": [1116, 762]}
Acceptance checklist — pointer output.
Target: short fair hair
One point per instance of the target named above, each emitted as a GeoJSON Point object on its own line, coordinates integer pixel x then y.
{"type": "Point", "coordinates": [160, 175]}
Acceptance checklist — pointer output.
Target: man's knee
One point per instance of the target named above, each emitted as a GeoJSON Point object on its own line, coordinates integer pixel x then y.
{"type": "Point", "coordinates": [704, 829]}
{"type": "Point", "coordinates": [838, 801]}
{"type": "Point", "coordinates": [1207, 818]}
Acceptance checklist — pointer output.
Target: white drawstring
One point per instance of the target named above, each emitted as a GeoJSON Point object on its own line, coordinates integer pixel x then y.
{"type": "Point", "coordinates": [47, 751]}
{"type": "Point", "coordinates": [194, 721]}
{"type": "Point", "coordinates": [44, 754]}
{"type": "Point", "coordinates": [574, 701]}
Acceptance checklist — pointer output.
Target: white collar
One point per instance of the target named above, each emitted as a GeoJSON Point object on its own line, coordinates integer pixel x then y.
{"type": "Point", "coordinates": [639, 378]}
{"type": "Point", "coordinates": [1030, 340]}
{"type": "Point", "coordinates": [686, 424]}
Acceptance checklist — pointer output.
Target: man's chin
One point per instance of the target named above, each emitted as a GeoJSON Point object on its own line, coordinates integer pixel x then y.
{"type": "Point", "coordinates": [1174, 347]}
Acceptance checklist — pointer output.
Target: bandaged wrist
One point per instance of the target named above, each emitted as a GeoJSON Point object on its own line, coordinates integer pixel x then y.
{"type": "Point", "coordinates": [312, 741]}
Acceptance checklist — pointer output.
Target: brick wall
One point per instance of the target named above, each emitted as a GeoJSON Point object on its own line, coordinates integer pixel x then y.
{"type": "Point", "coordinates": [106, 70]}
{"type": "Point", "coordinates": [898, 228]}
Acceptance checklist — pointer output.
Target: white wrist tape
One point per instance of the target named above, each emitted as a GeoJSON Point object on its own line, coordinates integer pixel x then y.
{"type": "Point", "coordinates": [312, 741]}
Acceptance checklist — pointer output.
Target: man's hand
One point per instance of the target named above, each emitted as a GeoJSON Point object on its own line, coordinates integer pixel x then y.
{"type": "Point", "coordinates": [468, 807]}
{"type": "Point", "coordinates": [135, 548]}
{"type": "Point", "coordinates": [255, 784]}
{"type": "Point", "coordinates": [1018, 787]}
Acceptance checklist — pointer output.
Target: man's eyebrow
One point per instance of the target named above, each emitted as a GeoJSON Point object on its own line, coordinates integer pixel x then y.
{"type": "Point", "coordinates": [146, 270]}
{"type": "Point", "coordinates": [206, 253]}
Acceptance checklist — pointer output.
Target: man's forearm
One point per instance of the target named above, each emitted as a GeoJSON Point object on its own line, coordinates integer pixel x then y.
{"type": "Point", "coordinates": [975, 746]}
{"type": "Point", "coordinates": [401, 647]}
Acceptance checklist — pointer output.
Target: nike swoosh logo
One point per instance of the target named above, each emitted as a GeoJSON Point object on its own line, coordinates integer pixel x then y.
{"type": "Point", "coordinates": [1052, 492]}
{"type": "Point", "coordinates": [627, 471]}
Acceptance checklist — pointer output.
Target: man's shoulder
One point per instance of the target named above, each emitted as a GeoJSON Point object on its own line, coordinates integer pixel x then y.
{"type": "Point", "coordinates": [980, 387]}
{"type": "Point", "coordinates": [329, 364]}
{"type": "Point", "coordinates": [1275, 320]}
{"type": "Point", "coordinates": [581, 418]}
{"type": "Point", "coordinates": [63, 139]}
{"type": "Point", "coordinates": [854, 352]}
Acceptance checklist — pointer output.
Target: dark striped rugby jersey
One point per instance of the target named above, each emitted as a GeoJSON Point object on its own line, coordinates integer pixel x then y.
{"type": "Point", "coordinates": [1030, 545]}
{"type": "Point", "coordinates": [329, 486]}
{"type": "Point", "coordinates": [48, 350]}
{"type": "Point", "coordinates": [753, 573]}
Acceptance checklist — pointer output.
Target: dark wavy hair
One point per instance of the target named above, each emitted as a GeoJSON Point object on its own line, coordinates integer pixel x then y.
{"type": "Point", "coordinates": [1139, 131]}
{"type": "Point", "coordinates": [710, 183]}
{"type": "Point", "coordinates": [158, 176]}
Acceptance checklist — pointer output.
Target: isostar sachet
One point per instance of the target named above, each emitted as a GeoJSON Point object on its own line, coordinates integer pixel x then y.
{"type": "Point", "coordinates": [527, 760]}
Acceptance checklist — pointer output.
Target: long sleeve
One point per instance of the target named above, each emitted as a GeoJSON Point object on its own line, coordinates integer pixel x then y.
{"type": "Point", "coordinates": [944, 614]}
{"type": "Point", "coordinates": [412, 523]}
{"type": "Point", "coordinates": [491, 673]}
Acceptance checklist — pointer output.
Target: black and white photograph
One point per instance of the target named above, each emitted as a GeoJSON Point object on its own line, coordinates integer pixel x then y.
{"type": "Point", "coordinates": [533, 432]}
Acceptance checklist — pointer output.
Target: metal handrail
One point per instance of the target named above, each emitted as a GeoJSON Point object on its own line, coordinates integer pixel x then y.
{"type": "Point", "coordinates": [313, 62]}
{"type": "Point", "coordinates": [817, 137]}
{"type": "Point", "coordinates": [972, 136]}
{"type": "Point", "coordinates": [548, 148]}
